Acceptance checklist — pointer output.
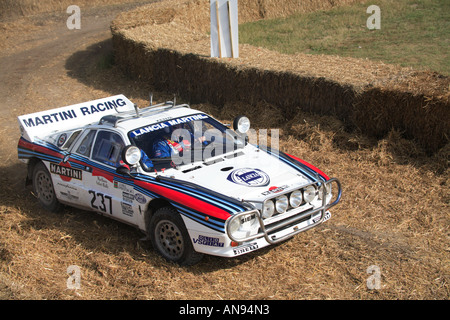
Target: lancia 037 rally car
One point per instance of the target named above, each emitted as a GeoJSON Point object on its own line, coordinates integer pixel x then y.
{"type": "Point", "coordinates": [189, 182]}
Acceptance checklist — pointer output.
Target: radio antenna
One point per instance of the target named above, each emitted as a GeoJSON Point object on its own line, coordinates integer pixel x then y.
{"type": "Point", "coordinates": [136, 108]}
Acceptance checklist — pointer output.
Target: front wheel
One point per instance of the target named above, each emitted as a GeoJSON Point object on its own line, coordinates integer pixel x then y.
{"type": "Point", "coordinates": [170, 237]}
{"type": "Point", "coordinates": [43, 188]}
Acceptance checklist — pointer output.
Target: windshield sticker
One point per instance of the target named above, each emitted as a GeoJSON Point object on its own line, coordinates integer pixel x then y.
{"type": "Point", "coordinates": [249, 177]}
{"type": "Point", "coordinates": [166, 124]}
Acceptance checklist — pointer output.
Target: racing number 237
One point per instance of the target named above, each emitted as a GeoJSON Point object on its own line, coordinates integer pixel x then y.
{"type": "Point", "coordinates": [102, 197]}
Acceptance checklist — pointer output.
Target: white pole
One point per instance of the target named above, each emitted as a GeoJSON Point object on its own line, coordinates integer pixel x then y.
{"type": "Point", "coordinates": [231, 29]}
{"type": "Point", "coordinates": [218, 28]}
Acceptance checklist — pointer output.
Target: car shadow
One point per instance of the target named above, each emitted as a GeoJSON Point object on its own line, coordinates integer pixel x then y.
{"type": "Point", "coordinates": [95, 67]}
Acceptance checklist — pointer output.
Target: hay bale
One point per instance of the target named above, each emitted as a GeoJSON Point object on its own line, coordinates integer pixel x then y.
{"type": "Point", "coordinates": [376, 111]}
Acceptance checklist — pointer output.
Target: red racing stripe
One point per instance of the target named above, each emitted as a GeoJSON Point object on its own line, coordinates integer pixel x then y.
{"type": "Point", "coordinates": [309, 166]}
{"type": "Point", "coordinates": [38, 148]}
{"type": "Point", "coordinates": [186, 200]}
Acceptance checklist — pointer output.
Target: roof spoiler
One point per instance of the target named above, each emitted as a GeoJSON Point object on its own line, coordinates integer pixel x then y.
{"type": "Point", "coordinates": [44, 123]}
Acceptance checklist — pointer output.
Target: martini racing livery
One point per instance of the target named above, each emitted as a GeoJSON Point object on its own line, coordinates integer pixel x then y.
{"type": "Point", "coordinates": [189, 182]}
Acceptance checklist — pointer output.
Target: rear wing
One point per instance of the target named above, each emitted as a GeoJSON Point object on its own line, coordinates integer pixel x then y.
{"type": "Point", "coordinates": [44, 123]}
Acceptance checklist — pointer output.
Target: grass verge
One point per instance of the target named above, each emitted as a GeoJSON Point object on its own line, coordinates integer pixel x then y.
{"type": "Point", "coordinates": [413, 33]}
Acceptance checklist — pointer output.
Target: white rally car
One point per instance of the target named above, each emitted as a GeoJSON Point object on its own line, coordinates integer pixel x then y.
{"type": "Point", "coordinates": [190, 183]}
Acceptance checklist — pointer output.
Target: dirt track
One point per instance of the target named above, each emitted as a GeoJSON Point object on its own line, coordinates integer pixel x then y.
{"type": "Point", "coordinates": [405, 235]}
{"type": "Point", "coordinates": [47, 66]}
{"type": "Point", "coordinates": [44, 67]}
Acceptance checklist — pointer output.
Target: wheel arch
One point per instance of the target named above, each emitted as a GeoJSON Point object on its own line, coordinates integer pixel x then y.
{"type": "Point", "coordinates": [152, 207]}
{"type": "Point", "coordinates": [32, 162]}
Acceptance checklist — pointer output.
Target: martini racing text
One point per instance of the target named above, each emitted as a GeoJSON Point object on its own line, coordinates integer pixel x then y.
{"type": "Point", "coordinates": [73, 113]}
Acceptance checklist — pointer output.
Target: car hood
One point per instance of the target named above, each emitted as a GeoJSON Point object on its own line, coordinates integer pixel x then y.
{"type": "Point", "coordinates": [250, 174]}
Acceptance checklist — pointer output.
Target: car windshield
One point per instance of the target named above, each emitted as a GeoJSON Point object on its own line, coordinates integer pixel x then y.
{"type": "Point", "coordinates": [183, 141]}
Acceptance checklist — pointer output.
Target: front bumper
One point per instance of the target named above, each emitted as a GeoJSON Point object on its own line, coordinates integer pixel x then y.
{"type": "Point", "coordinates": [289, 227]}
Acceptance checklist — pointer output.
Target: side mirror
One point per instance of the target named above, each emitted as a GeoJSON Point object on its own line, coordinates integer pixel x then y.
{"type": "Point", "coordinates": [124, 171]}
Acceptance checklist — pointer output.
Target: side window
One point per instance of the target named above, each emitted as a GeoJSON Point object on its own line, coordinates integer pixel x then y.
{"type": "Point", "coordinates": [85, 146]}
{"type": "Point", "coordinates": [72, 138]}
{"type": "Point", "coordinates": [107, 148]}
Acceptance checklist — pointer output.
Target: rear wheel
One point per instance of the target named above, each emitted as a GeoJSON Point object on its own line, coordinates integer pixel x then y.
{"type": "Point", "coordinates": [170, 237]}
{"type": "Point", "coordinates": [43, 188]}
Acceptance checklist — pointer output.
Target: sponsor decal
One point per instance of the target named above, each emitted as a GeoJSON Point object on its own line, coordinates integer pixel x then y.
{"type": "Point", "coordinates": [65, 171]}
{"type": "Point", "coordinates": [248, 218]}
{"type": "Point", "coordinates": [127, 209]}
{"type": "Point", "coordinates": [102, 182]}
{"type": "Point", "coordinates": [245, 248]}
{"type": "Point", "coordinates": [249, 177]}
{"type": "Point", "coordinates": [317, 218]}
{"type": "Point", "coordinates": [208, 241]}
{"type": "Point", "coordinates": [127, 197]}
{"type": "Point", "coordinates": [140, 198]}
{"type": "Point", "coordinates": [62, 138]}
{"type": "Point", "coordinates": [69, 196]}
{"type": "Point", "coordinates": [68, 191]}
{"type": "Point", "coordinates": [273, 190]}
{"type": "Point", "coordinates": [123, 186]}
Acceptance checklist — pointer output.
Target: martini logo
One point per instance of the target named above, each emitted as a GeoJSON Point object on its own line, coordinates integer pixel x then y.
{"type": "Point", "coordinates": [65, 171]}
{"type": "Point", "coordinates": [62, 138]}
{"type": "Point", "coordinates": [249, 177]}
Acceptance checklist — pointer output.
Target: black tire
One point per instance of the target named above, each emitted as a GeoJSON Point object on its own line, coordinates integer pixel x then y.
{"type": "Point", "coordinates": [170, 238]}
{"type": "Point", "coordinates": [43, 188]}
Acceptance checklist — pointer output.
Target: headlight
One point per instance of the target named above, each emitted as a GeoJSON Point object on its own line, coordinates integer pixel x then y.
{"type": "Point", "coordinates": [281, 204]}
{"type": "Point", "coordinates": [268, 209]}
{"type": "Point", "coordinates": [131, 155]}
{"type": "Point", "coordinates": [243, 225]}
{"type": "Point", "coordinates": [309, 193]}
{"type": "Point", "coordinates": [296, 198]}
{"type": "Point", "coordinates": [234, 225]}
{"type": "Point", "coordinates": [328, 186]}
{"type": "Point", "coordinates": [241, 124]}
